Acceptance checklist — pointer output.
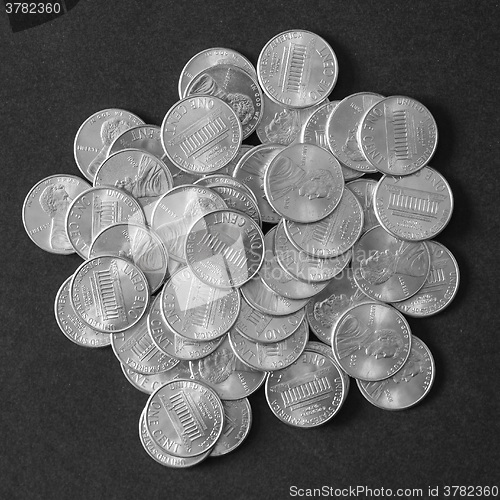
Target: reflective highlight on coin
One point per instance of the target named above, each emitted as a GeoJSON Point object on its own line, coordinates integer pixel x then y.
{"type": "Point", "coordinates": [363, 189]}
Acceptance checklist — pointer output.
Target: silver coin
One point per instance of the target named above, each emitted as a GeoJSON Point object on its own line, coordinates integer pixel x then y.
{"type": "Point", "coordinates": [224, 180]}
{"type": "Point", "coordinates": [308, 393]}
{"type": "Point", "coordinates": [239, 200]}
{"type": "Point", "coordinates": [387, 268]}
{"type": "Point", "coordinates": [264, 328]}
{"type": "Point", "coordinates": [45, 208]}
{"type": "Point", "coordinates": [160, 456]}
{"type": "Point", "coordinates": [198, 311]}
{"type": "Point", "coordinates": [398, 135]}
{"type": "Point", "coordinates": [408, 386]}
{"type": "Point", "coordinates": [363, 190]}
{"type": "Point", "coordinates": [303, 266]}
{"type": "Point", "coordinates": [371, 341]}
{"type": "Point", "coordinates": [237, 423]}
{"type": "Point", "coordinates": [139, 244]}
{"type": "Point", "coordinates": [439, 288]}
{"type": "Point", "coordinates": [262, 298]}
{"type": "Point", "coordinates": [279, 280]}
{"type": "Point", "coordinates": [324, 310]}
{"type": "Point", "coordinates": [184, 418]}
{"type": "Point", "coordinates": [212, 57]}
{"type": "Point", "coordinates": [138, 173]}
{"type": "Point", "coordinates": [229, 377]}
{"type": "Point", "coordinates": [110, 294]}
{"type": "Point", "coordinates": [94, 210]}
{"type": "Point", "coordinates": [297, 68]}
{"type": "Point", "coordinates": [342, 128]}
{"type": "Point", "coordinates": [201, 134]}
{"type": "Point", "coordinates": [235, 87]}
{"type": "Point", "coordinates": [172, 343]}
{"type": "Point", "coordinates": [180, 177]}
{"type": "Point", "coordinates": [176, 211]}
{"type": "Point", "coordinates": [304, 183]}
{"type": "Point", "coordinates": [144, 137]}
{"type": "Point", "coordinates": [229, 168]}
{"type": "Point", "coordinates": [250, 171]}
{"type": "Point", "coordinates": [95, 136]}
{"type": "Point", "coordinates": [71, 325]}
{"type": "Point", "coordinates": [270, 357]}
{"type": "Point", "coordinates": [331, 236]}
{"type": "Point", "coordinates": [225, 248]}
{"type": "Point", "coordinates": [414, 207]}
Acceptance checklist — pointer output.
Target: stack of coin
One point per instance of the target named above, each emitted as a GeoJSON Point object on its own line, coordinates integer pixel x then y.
{"type": "Point", "coordinates": [208, 261]}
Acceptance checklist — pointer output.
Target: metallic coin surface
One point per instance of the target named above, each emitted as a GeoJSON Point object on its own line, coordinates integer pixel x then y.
{"type": "Point", "coordinates": [226, 374]}
{"type": "Point", "coordinates": [324, 310]}
{"type": "Point", "coordinates": [309, 392]}
{"type": "Point", "coordinates": [94, 210]}
{"type": "Point", "coordinates": [201, 134]}
{"type": "Point", "coordinates": [270, 357]}
{"type": "Point", "coordinates": [72, 326]}
{"type": "Point", "coordinates": [303, 266]}
{"type": "Point", "coordinates": [414, 207]}
{"type": "Point", "coordinates": [262, 298]}
{"type": "Point", "coordinates": [172, 343]}
{"type": "Point", "coordinates": [138, 243]}
{"type": "Point", "coordinates": [279, 280]}
{"type": "Point", "coordinates": [45, 208]}
{"type": "Point", "coordinates": [110, 294]}
{"type": "Point", "coordinates": [331, 236]}
{"type": "Point", "coordinates": [342, 128]}
{"type": "Point", "coordinates": [387, 268]}
{"type": "Point", "coordinates": [237, 423]}
{"type": "Point", "coordinates": [408, 386]}
{"type": "Point", "coordinates": [225, 180]}
{"type": "Point", "coordinates": [235, 87]}
{"type": "Point", "coordinates": [180, 177]}
{"type": "Point", "coordinates": [297, 68]}
{"type": "Point", "coordinates": [212, 57]}
{"type": "Point", "coordinates": [371, 341]}
{"type": "Point", "coordinates": [138, 173]}
{"type": "Point", "coordinates": [196, 310]}
{"type": "Point", "coordinates": [440, 287]}
{"type": "Point", "coordinates": [184, 418]}
{"type": "Point", "coordinates": [363, 190]}
{"type": "Point", "coordinates": [177, 210]}
{"type": "Point", "coordinates": [304, 183]}
{"type": "Point", "coordinates": [250, 171]}
{"type": "Point", "coordinates": [95, 136]}
{"type": "Point", "coordinates": [144, 137]}
{"type": "Point", "coordinates": [398, 135]}
{"type": "Point", "coordinates": [225, 248]}
{"type": "Point", "coordinates": [264, 328]}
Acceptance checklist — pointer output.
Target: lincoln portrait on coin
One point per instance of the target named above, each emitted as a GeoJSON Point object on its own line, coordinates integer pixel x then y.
{"type": "Point", "coordinates": [284, 127]}
{"type": "Point", "coordinates": [144, 252]}
{"type": "Point", "coordinates": [218, 366]}
{"type": "Point", "coordinates": [329, 310]}
{"type": "Point", "coordinates": [351, 148]}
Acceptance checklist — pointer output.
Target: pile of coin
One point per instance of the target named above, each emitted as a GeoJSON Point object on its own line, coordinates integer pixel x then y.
{"type": "Point", "coordinates": [201, 307]}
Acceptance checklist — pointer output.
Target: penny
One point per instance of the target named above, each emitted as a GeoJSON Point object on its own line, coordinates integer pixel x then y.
{"type": "Point", "coordinates": [201, 134]}
{"type": "Point", "coordinates": [224, 180]}
{"type": "Point", "coordinates": [342, 128]}
{"type": "Point", "coordinates": [235, 87]}
{"type": "Point", "coordinates": [229, 168]}
{"type": "Point", "coordinates": [94, 210]}
{"type": "Point", "coordinates": [331, 236]}
{"type": "Point", "coordinates": [387, 268]}
{"type": "Point", "coordinates": [179, 176]}
{"type": "Point", "coordinates": [138, 243]}
{"type": "Point", "coordinates": [414, 207]}
{"type": "Point", "coordinates": [408, 386]}
{"type": "Point", "coordinates": [363, 190]}
{"type": "Point", "coordinates": [184, 418]}
{"type": "Point", "coordinates": [304, 183]}
{"type": "Point", "coordinates": [297, 68]}
{"type": "Point", "coordinates": [144, 137]}
{"type": "Point", "coordinates": [440, 287]}
{"type": "Point", "coordinates": [398, 135]}
{"type": "Point", "coordinates": [371, 341]}
{"type": "Point", "coordinates": [270, 357]}
{"type": "Point", "coordinates": [237, 423]}
{"type": "Point", "coordinates": [95, 136]}
{"type": "Point", "coordinates": [71, 325]}
{"type": "Point", "coordinates": [110, 294]}
{"type": "Point", "coordinates": [196, 310]}
{"type": "Point", "coordinates": [226, 374]}
{"type": "Point", "coordinates": [307, 393]}
{"type": "Point", "coordinates": [45, 208]}
{"type": "Point", "coordinates": [225, 248]}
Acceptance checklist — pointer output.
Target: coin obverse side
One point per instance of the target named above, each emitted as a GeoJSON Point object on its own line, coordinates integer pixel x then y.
{"type": "Point", "coordinates": [363, 189]}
